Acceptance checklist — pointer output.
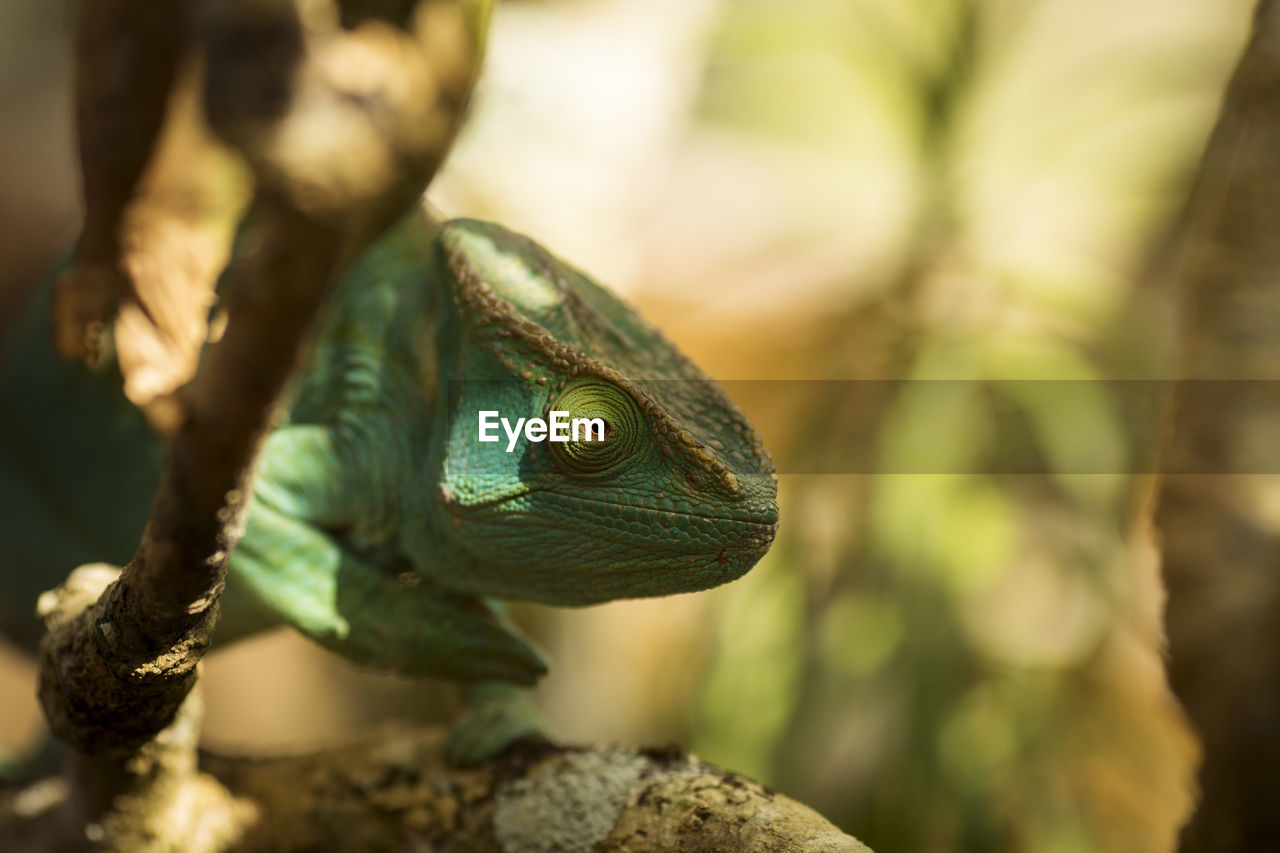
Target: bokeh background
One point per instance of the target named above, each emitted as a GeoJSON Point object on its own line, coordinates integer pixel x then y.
{"type": "Point", "coordinates": [865, 192]}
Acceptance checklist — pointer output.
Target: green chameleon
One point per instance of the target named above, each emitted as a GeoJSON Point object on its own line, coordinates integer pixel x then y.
{"type": "Point", "coordinates": [382, 526]}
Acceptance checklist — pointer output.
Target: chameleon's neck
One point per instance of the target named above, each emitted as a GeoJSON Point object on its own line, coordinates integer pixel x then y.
{"type": "Point", "coordinates": [378, 377]}
{"type": "Point", "coordinates": [435, 349]}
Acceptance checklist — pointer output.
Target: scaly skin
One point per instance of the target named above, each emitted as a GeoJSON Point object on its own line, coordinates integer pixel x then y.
{"type": "Point", "coordinates": [381, 526]}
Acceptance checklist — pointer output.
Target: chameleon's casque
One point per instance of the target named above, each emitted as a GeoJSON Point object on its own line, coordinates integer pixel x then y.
{"type": "Point", "coordinates": [380, 522]}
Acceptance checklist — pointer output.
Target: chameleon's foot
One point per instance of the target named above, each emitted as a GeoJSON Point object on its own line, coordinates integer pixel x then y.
{"type": "Point", "coordinates": [497, 715]}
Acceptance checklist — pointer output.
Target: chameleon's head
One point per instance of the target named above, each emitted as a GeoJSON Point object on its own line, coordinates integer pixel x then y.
{"type": "Point", "coordinates": [676, 495]}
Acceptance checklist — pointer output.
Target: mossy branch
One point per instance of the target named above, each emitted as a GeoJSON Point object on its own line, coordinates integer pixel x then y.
{"type": "Point", "coordinates": [393, 791]}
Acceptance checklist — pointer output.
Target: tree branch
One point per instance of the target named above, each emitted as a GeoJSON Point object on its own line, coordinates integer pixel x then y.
{"type": "Point", "coordinates": [393, 791]}
{"type": "Point", "coordinates": [114, 674]}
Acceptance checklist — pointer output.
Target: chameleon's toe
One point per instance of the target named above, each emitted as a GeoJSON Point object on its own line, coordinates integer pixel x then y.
{"type": "Point", "coordinates": [496, 717]}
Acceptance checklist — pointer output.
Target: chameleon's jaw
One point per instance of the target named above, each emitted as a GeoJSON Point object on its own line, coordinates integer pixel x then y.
{"type": "Point", "coordinates": [613, 551]}
{"type": "Point", "coordinates": [757, 541]}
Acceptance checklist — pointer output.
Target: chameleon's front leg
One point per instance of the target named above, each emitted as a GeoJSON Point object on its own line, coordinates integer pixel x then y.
{"type": "Point", "coordinates": [374, 614]}
{"type": "Point", "coordinates": [370, 615]}
{"type": "Point", "coordinates": [368, 610]}
{"type": "Point", "coordinates": [495, 715]}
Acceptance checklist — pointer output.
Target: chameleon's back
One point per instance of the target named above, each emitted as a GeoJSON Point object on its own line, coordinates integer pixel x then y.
{"type": "Point", "coordinates": [78, 468]}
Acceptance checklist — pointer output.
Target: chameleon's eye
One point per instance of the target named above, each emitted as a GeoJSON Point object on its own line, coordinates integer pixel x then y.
{"type": "Point", "coordinates": [606, 404]}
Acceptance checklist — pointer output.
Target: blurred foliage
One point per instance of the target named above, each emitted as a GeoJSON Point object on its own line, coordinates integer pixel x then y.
{"type": "Point", "coordinates": [966, 644]}
{"type": "Point", "coordinates": [888, 190]}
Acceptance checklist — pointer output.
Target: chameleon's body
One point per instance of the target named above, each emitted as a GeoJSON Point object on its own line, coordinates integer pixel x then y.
{"type": "Point", "coordinates": [380, 524]}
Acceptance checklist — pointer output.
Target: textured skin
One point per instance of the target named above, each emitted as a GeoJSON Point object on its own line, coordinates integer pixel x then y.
{"type": "Point", "coordinates": [381, 526]}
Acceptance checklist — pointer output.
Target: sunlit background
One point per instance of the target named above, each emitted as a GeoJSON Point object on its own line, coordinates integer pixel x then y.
{"type": "Point", "coordinates": [837, 190]}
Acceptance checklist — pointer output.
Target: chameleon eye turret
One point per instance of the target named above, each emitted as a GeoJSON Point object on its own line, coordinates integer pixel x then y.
{"type": "Point", "coordinates": [622, 435]}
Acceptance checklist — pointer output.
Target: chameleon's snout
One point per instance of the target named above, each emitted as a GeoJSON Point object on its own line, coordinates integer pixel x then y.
{"type": "Point", "coordinates": [755, 543]}
{"type": "Point", "coordinates": [760, 533]}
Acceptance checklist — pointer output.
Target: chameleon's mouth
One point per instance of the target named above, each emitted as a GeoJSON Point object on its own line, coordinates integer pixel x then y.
{"type": "Point", "coordinates": [749, 526]}
{"type": "Point", "coordinates": [591, 549]}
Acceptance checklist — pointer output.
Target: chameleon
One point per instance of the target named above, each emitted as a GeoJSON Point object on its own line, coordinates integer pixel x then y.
{"type": "Point", "coordinates": [380, 525]}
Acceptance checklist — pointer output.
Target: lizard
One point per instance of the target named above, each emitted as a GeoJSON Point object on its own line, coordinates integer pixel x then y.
{"type": "Point", "coordinates": [380, 525]}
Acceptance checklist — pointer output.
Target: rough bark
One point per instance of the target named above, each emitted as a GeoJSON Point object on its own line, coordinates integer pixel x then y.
{"type": "Point", "coordinates": [392, 791]}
